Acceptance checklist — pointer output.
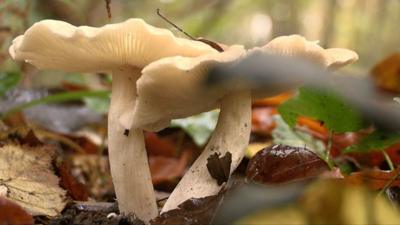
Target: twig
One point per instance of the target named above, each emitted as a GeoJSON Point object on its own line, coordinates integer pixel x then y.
{"type": "Point", "coordinates": [174, 25]}
{"type": "Point", "coordinates": [108, 7]}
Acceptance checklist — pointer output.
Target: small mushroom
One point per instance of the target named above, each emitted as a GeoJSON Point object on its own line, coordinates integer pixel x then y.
{"type": "Point", "coordinates": [123, 49]}
{"type": "Point", "coordinates": [181, 78]}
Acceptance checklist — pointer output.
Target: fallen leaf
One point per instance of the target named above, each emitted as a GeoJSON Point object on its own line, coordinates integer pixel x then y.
{"type": "Point", "coordinates": [94, 172]}
{"type": "Point", "coordinates": [280, 163]}
{"type": "Point", "coordinates": [219, 167]}
{"type": "Point", "coordinates": [164, 169]}
{"type": "Point", "coordinates": [155, 145]}
{"type": "Point", "coordinates": [375, 179]}
{"type": "Point", "coordinates": [74, 188]}
{"type": "Point", "coordinates": [193, 211]}
{"type": "Point", "coordinates": [387, 73]}
{"type": "Point", "coordinates": [27, 173]}
{"type": "Point", "coordinates": [11, 213]}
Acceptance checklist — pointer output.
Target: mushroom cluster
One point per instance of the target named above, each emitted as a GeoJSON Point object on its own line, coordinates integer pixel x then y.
{"type": "Point", "coordinates": [157, 77]}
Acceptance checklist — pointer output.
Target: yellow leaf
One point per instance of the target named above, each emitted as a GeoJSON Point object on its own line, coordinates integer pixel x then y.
{"type": "Point", "coordinates": [27, 174]}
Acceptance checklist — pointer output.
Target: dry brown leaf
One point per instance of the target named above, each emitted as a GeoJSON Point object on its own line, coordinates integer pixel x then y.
{"type": "Point", "coordinates": [27, 174]}
{"type": "Point", "coordinates": [387, 73]}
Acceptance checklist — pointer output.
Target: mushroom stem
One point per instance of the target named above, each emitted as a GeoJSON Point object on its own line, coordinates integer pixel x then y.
{"type": "Point", "coordinates": [127, 153]}
{"type": "Point", "coordinates": [231, 134]}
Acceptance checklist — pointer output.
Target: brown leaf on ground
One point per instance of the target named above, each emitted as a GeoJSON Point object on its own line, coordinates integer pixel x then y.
{"type": "Point", "coordinates": [75, 189]}
{"type": "Point", "coordinates": [164, 169]}
{"type": "Point", "coordinates": [94, 172]}
{"type": "Point", "coordinates": [193, 211]}
{"type": "Point", "coordinates": [387, 73]}
{"type": "Point", "coordinates": [11, 213]}
{"type": "Point", "coordinates": [375, 179]}
{"type": "Point", "coordinates": [27, 174]}
{"type": "Point", "coordinates": [155, 145]}
{"type": "Point", "coordinates": [280, 163]}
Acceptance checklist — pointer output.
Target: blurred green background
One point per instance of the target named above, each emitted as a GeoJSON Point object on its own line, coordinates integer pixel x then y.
{"type": "Point", "coordinates": [370, 27]}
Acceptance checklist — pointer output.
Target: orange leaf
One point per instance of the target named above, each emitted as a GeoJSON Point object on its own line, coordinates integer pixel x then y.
{"type": "Point", "coordinates": [375, 179]}
{"type": "Point", "coordinates": [273, 101]}
{"type": "Point", "coordinates": [387, 73]}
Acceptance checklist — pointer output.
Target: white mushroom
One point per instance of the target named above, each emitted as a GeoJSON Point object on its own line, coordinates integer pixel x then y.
{"type": "Point", "coordinates": [123, 49]}
{"type": "Point", "coordinates": [180, 79]}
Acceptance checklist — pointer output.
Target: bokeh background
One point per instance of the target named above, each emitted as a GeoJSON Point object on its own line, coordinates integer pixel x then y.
{"type": "Point", "coordinates": [370, 27]}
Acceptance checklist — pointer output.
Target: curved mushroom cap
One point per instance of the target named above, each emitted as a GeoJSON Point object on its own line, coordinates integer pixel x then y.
{"type": "Point", "coordinates": [171, 88]}
{"type": "Point", "coordinates": [298, 46]}
{"type": "Point", "coordinates": [52, 44]}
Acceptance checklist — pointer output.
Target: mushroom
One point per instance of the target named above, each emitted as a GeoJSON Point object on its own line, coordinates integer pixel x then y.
{"type": "Point", "coordinates": [180, 78]}
{"type": "Point", "coordinates": [124, 49]}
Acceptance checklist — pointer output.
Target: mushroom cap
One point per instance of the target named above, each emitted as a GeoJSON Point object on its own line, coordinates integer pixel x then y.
{"type": "Point", "coordinates": [52, 44]}
{"type": "Point", "coordinates": [171, 88]}
{"type": "Point", "coordinates": [180, 79]}
{"type": "Point", "coordinates": [298, 46]}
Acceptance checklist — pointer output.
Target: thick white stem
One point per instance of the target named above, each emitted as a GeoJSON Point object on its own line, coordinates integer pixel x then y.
{"type": "Point", "coordinates": [231, 134]}
{"type": "Point", "coordinates": [128, 159]}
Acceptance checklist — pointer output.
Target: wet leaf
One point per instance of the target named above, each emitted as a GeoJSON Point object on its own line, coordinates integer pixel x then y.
{"type": "Point", "coordinates": [11, 213]}
{"type": "Point", "coordinates": [220, 167]}
{"type": "Point", "coordinates": [377, 141]}
{"type": "Point", "coordinates": [27, 174]}
{"type": "Point", "coordinates": [284, 135]}
{"type": "Point", "coordinates": [324, 106]}
{"type": "Point", "coordinates": [191, 212]}
{"type": "Point", "coordinates": [280, 163]}
{"type": "Point", "coordinates": [375, 179]}
{"type": "Point", "coordinates": [387, 73]}
{"type": "Point", "coordinates": [199, 127]}
{"type": "Point", "coordinates": [8, 80]}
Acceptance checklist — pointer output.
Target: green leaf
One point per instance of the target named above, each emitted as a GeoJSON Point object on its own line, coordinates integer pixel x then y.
{"type": "Point", "coordinates": [8, 80]}
{"type": "Point", "coordinates": [377, 141]}
{"type": "Point", "coordinates": [284, 135]}
{"type": "Point", "coordinates": [98, 104]}
{"type": "Point", "coordinates": [324, 106]}
{"type": "Point", "coordinates": [56, 98]}
{"type": "Point", "coordinates": [198, 127]}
